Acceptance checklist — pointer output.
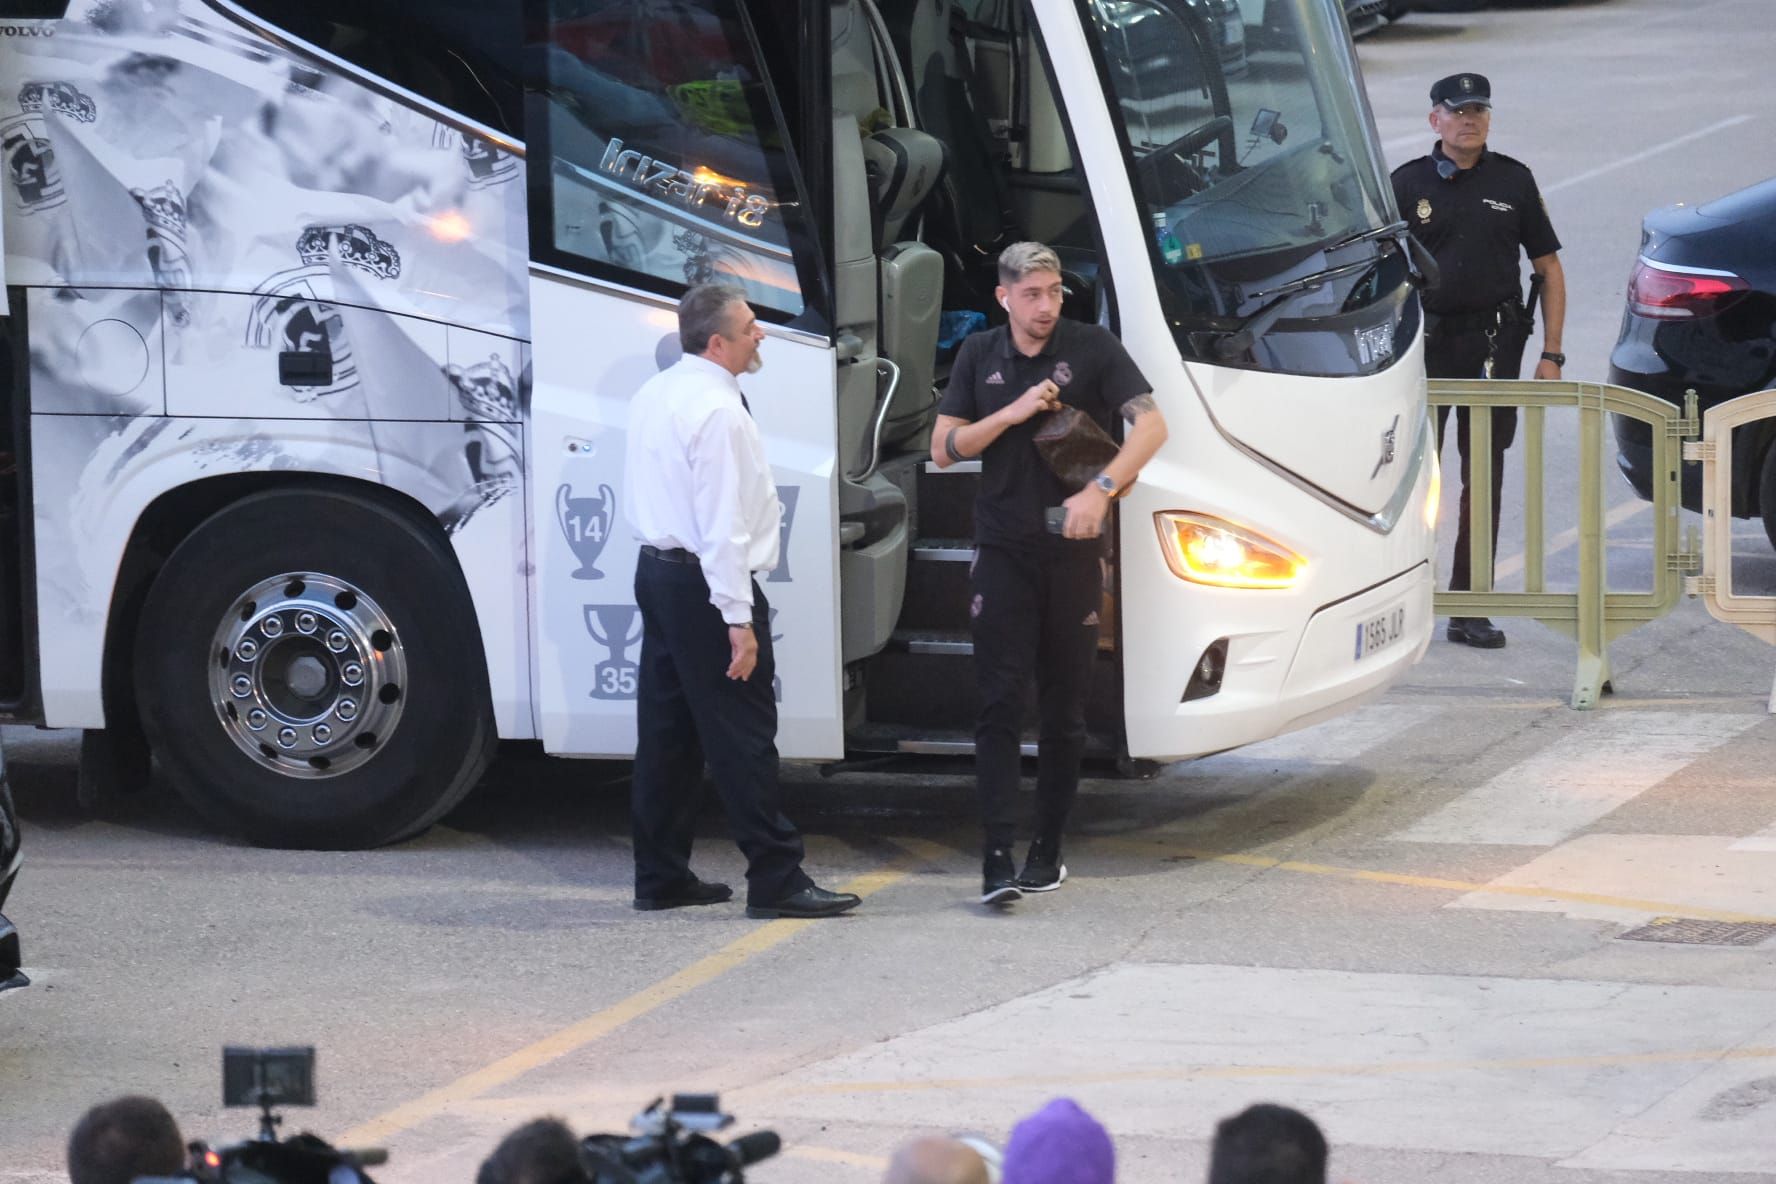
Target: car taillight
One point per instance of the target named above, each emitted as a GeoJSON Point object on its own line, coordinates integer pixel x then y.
{"type": "Point", "coordinates": [1665, 292]}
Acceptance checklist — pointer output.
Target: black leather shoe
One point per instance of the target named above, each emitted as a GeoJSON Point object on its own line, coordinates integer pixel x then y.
{"type": "Point", "coordinates": [999, 878]}
{"type": "Point", "coordinates": [812, 901]}
{"type": "Point", "coordinates": [696, 892]}
{"type": "Point", "coordinates": [1478, 632]}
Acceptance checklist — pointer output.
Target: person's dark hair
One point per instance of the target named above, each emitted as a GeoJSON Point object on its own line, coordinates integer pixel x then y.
{"type": "Point", "coordinates": [542, 1151]}
{"type": "Point", "coordinates": [1268, 1144]}
{"type": "Point", "coordinates": [704, 312]}
{"type": "Point", "coordinates": [117, 1141]}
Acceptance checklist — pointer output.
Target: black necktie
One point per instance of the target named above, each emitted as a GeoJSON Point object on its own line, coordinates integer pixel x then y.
{"type": "Point", "coordinates": [747, 407]}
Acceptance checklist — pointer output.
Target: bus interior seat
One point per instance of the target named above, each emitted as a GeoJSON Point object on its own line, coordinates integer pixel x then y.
{"type": "Point", "coordinates": [976, 214]}
{"type": "Point", "coordinates": [873, 560]}
{"type": "Point", "coordinates": [904, 167]}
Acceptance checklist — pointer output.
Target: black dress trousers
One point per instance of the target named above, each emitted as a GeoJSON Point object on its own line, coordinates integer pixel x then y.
{"type": "Point", "coordinates": [1462, 354]}
{"type": "Point", "coordinates": [689, 712]}
{"type": "Point", "coordinates": [1035, 618]}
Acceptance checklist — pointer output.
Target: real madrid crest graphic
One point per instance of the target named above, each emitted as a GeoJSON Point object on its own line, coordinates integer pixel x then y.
{"type": "Point", "coordinates": [24, 139]}
{"type": "Point", "coordinates": [292, 312]}
{"type": "Point", "coordinates": [1424, 209]}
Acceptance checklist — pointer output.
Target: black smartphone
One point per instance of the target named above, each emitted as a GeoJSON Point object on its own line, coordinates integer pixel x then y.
{"type": "Point", "coordinates": [1055, 518]}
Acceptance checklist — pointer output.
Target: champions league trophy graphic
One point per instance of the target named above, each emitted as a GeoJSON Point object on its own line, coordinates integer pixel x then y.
{"type": "Point", "coordinates": [586, 521]}
{"type": "Point", "coordinates": [616, 627]}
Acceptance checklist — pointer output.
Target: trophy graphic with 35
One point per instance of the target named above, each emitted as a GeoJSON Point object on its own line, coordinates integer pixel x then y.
{"type": "Point", "coordinates": [616, 627]}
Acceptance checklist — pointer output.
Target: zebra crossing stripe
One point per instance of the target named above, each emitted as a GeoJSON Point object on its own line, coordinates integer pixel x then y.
{"type": "Point", "coordinates": [1586, 774]}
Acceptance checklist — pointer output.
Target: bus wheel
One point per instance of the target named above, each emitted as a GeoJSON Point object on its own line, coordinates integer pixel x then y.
{"type": "Point", "coordinates": [310, 672]}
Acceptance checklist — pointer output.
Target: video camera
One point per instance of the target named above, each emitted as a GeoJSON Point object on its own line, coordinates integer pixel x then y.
{"type": "Point", "coordinates": [269, 1078]}
{"type": "Point", "coordinates": [671, 1145]}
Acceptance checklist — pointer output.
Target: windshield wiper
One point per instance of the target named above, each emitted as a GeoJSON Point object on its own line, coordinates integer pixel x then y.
{"type": "Point", "coordinates": [1239, 340]}
{"type": "Point", "coordinates": [1391, 230]}
{"type": "Point", "coordinates": [1421, 268]}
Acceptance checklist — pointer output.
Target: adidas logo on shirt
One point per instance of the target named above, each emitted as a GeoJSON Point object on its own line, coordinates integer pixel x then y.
{"type": "Point", "coordinates": [995, 379]}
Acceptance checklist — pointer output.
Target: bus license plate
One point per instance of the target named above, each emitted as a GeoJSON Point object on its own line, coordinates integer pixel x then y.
{"type": "Point", "coordinates": [1381, 631]}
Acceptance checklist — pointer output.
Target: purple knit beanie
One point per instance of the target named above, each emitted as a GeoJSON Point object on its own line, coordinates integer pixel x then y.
{"type": "Point", "coordinates": [1060, 1144]}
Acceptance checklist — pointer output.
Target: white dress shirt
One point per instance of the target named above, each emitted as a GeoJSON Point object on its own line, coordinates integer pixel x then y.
{"type": "Point", "coordinates": [697, 478]}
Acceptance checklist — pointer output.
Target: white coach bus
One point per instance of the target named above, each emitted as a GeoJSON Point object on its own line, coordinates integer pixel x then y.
{"type": "Point", "coordinates": [322, 317]}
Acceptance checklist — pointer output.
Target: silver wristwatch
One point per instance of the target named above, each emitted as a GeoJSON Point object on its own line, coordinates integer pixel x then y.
{"type": "Point", "coordinates": [1105, 482]}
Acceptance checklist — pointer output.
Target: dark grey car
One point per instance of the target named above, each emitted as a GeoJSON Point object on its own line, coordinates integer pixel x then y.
{"type": "Point", "coordinates": [1701, 315]}
{"type": "Point", "coordinates": [10, 958]}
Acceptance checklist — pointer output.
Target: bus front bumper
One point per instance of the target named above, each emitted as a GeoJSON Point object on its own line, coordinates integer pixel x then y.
{"type": "Point", "coordinates": [1268, 690]}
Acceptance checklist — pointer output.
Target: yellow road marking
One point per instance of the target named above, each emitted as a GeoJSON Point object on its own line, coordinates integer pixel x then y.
{"type": "Point", "coordinates": [1568, 538]}
{"type": "Point", "coordinates": [597, 1026]}
{"type": "Point", "coordinates": [855, 1159]}
{"type": "Point", "coordinates": [1233, 1072]}
{"type": "Point", "coordinates": [1627, 903]}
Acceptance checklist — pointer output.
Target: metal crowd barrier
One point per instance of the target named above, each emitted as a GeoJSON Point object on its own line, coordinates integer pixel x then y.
{"type": "Point", "coordinates": [1592, 615]}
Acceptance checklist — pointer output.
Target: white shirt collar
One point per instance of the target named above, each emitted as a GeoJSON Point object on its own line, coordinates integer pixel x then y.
{"type": "Point", "coordinates": [698, 360]}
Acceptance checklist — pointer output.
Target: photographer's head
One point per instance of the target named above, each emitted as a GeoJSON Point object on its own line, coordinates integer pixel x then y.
{"type": "Point", "coordinates": [119, 1140]}
{"type": "Point", "coordinates": [936, 1160]}
{"type": "Point", "coordinates": [1268, 1144]}
{"type": "Point", "coordinates": [543, 1151]}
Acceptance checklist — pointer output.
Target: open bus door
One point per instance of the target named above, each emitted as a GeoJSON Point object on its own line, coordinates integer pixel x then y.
{"type": "Point", "coordinates": [659, 157]}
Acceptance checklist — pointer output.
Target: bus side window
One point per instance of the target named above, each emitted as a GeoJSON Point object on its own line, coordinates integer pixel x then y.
{"type": "Point", "coordinates": [460, 54]}
{"type": "Point", "coordinates": [655, 155]}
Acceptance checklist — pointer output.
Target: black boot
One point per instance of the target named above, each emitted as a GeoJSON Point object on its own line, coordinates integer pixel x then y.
{"type": "Point", "coordinates": [1478, 632]}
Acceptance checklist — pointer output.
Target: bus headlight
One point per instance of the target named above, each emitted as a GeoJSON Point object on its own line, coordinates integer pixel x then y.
{"type": "Point", "coordinates": [1207, 550]}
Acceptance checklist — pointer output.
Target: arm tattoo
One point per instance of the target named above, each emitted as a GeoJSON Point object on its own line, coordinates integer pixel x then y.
{"type": "Point", "coordinates": [1138, 406]}
{"type": "Point", "coordinates": [956, 455]}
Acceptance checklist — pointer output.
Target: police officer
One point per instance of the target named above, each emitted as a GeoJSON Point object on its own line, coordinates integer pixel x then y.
{"type": "Point", "coordinates": [1036, 591]}
{"type": "Point", "coordinates": [1474, 208]}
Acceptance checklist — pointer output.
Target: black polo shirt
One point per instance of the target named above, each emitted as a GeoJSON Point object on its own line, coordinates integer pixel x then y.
{"type": "Point", "coordinates": [1094, 373]}
{"type": "Point", "coordinates": [1474, 224]}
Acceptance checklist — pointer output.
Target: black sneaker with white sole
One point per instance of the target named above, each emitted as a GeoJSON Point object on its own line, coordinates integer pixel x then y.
{"type": "Point", "coordinates": [1043, 869]}
{"type": "Point", "coordinates": [999, 877]}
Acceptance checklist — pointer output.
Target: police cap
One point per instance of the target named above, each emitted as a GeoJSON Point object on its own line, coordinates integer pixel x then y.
{"type": "Point", "coordinates": [1462, 90]}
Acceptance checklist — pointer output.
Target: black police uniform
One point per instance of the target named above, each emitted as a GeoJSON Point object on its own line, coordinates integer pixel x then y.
{"type": "Point", "coordinates": [1474, 221]}
{"type": "Point", "coordinates": [1036, 594]}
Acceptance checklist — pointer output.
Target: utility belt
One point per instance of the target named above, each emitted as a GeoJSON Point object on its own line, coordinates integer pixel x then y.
{"type": "Point", "coordinates": [1506, 327]}
{"type": "Point", "coordinates": [1506, 314]}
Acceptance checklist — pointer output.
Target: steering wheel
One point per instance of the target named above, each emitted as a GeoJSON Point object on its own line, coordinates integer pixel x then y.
{"type": "Point", "coordinates": [1191, 141]}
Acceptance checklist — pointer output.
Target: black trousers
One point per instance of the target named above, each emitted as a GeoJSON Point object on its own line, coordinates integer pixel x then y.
{"type": "Point", "coordinates": [1034, 616]}
{"type": "Point", "coordinates": [1463, 355]}
{"type": "Point", "coordinates": [689, 711]}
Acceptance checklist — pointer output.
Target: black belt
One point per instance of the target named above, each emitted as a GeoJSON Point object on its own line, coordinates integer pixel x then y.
{"type": "Point", "coordinates": [670, 554]}
{"type": "Point", "coordinates": [1506, 312]}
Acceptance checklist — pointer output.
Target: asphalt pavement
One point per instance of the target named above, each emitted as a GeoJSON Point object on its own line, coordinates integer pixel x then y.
{"type": "Point", "coordinates": [1482, 937]}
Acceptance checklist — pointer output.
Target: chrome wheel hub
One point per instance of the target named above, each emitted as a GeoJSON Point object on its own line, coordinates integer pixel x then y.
{"type": "Point", "coordinates": [309, 677]}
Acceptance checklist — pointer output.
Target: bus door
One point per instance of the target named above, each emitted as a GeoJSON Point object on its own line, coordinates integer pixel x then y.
{"type": "Point", "coordinates": [658, 159]}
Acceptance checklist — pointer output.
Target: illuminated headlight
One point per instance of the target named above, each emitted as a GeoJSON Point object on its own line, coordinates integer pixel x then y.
{"type": "Point", "coordinates": [1434, 495]}
{"type": "Point", "coordinates": [1206, 550]}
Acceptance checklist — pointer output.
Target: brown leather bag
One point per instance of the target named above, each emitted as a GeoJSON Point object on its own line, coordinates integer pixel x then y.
{"type": "Point", "coordinates": [1074, 447]}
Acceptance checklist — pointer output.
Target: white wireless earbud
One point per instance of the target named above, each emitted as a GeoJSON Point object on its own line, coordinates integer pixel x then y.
{"type": "Point", "coordinates": [1005, 306]}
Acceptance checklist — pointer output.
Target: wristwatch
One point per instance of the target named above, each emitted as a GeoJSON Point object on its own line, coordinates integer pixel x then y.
{"type": "Point", "coordinates": [1105, 482]}
{"type": "Point", "coordinates": [1557, 359]}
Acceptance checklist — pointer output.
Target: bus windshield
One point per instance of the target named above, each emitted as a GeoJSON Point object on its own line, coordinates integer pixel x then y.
{"type": "Point", "coordinates": [1256, 162]}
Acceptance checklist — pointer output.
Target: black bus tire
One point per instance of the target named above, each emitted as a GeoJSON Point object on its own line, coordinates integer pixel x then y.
{"type": "Point", "coordinates": [374, 577]}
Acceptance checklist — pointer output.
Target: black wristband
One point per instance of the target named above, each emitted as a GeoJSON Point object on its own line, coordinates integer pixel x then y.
{"type": "Point", "coordinates": [1557, 359]}
{"type": "Point", "coordinates": [950, 450]}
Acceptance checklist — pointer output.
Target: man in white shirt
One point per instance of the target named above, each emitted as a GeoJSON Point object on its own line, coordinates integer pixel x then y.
{"type": "Point", "coordinates": [701, 500]}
